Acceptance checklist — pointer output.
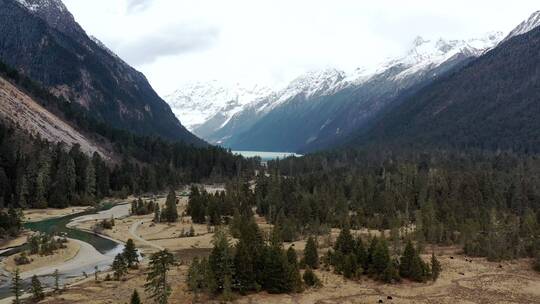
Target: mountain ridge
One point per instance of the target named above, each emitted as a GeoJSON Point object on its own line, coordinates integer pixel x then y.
{"type": "Point", "coordinates": [60, 56]}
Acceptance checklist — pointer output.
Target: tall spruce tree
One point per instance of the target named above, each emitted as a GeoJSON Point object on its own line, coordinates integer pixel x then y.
{"type": "Point", "coordinates": [311, 256]}
{"type": "Point", "coordinates": [37, 289]}
{"type": "Point", "coordinates": [294, 270]}
{"type": "Point", "coordinates": [130, 254]}
{"type": "Point", "coordinates": [16, 286]}
{"type": "Point", "coordinates": [170, 213]}
{"type": "Point", "coordinates": [135, 298]}
{"type": "Point", "coordinates": [435, 267]}
{"type": "Point", "coordinates": [157, 285]}
{"type": "Point", "coordinates": [119, 267]}
{"type": "Point", "coordinates": [221, 259]}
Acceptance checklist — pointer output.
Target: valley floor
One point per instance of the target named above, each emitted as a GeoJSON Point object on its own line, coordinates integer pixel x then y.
{"type": "Point", "coordinates": [478, 281]}
{"type": "Point", "coordinates": [463, 280]}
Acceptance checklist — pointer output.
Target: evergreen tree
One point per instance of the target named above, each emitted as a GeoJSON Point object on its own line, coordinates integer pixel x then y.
{"type": "Point", "coordinates": [170, 213]}
{"type": "Point", "coordinates": [135, 299]}
{"type": "Point", "coordinates": [56, 280]}
{"type": "Point", "coordinates": [310, 279]}
{"type": "Point", "coordinates": [345, 241]}
{"type": "Point", "coordinates": [412, 266]}
{"type": "Point", "coordinates": [391, 273]}
{"type": "Point", "coordinates": [277, 277]}
{"type": "Point", "coordinates": [294, 270]}
{"type": "Point", "coordinates": [380, 259]}
{"type": "Point", "coordinates": [311, 256]}
{"type": "Point", "coordinates": [360, 253]}
{"type": "Point", "coordinates": [130, 254]}
{"type": "Point", "coordinates": [16, 286]}
{"type": "Point", "coordinates": [157, 214]}
{"type": "Point", "coordinates": [37, 289]}
{"type": "Point", "coordinates": [407, 260]}
{"type": "Point", "coordinates": [435, 267]}
{"type": "Point", "coordinates": [156, 280]}
{"type": "Point", "coordinates": [119, 267]}
{"type": "Point", "coordinates": [221, 259]}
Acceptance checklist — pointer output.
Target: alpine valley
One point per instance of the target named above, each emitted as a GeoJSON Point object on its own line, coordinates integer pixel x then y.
{"type": "Point", "coordinates": [416, 180]}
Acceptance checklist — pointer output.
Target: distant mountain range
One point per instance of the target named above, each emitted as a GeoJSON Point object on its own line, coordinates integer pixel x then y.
{"type": "Point", "coordinates": [41, 39]}
{"type": "Point", "coordinates": [321, 108]}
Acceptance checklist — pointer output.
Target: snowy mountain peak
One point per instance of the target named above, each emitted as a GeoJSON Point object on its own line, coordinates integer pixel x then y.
{"type": "Point", "coordinates": [194, 103]}
{"type": "Point", "coordinates": [315, 82]}
{"type": "Point", "coordinates": [55, 13]}
{"type": "Point", "coordinates": [43, 5]}
{"type": "Point", "coordinates": [531, 23]}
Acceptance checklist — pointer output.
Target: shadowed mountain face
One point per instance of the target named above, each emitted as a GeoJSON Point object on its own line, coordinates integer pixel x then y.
{"type": "Point", "coordinates": [492, 103]}
{"type": "Point", "coordinates": [41, 39]}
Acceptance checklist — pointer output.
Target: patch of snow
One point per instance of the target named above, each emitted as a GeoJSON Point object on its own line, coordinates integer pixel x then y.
{"type": "Point", "coordinates": [526, 26]}
{"type": "Point", "coordinates": [37, 5]}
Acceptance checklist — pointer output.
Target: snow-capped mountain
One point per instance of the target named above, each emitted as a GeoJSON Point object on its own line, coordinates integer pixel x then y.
{"type": "Point", "coordinates": [55, 13]}
{"type": "Point", "coordinates": [424, 55]}
{"type": "Point", "coordinates": [320, 106]}
{"type": "Point", "coordinates": [526, 26]}
{"type": "Point", "coordinates": [197, 103]}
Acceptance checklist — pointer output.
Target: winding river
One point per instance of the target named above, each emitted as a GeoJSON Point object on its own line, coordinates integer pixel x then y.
{"type": "Point", "coordinates": [95, 250]}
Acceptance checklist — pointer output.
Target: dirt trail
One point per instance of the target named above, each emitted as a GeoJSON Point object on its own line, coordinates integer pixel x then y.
{"type": "Point", "coordinates": [133, 232]}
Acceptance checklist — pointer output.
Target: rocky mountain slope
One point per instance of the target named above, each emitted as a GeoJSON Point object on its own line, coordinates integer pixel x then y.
{"type": "Point", "coordinates": [41, 39]}
{"type": "Point", "coordinates": [321, 108]}
{"type": "Point", "coordinates": [492, 103]}
{"type": "Point", "coordinates": [23, 112]}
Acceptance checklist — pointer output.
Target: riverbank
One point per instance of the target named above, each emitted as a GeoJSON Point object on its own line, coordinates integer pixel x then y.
{"type": "Point", "coordinates": [59, 257]}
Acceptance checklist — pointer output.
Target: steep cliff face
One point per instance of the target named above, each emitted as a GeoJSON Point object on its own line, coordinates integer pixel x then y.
{"type": "Point", "coordinates": [42, 40]}
{"type": "Point", "coordinates": [23, 112]}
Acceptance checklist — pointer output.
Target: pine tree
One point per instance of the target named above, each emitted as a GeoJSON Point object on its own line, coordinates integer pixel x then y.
{"type": "Point", "coordinates": [135, 299]}
{"type": "Point", "coordinates": [221, 259]}
{"type": "Point", "coordinates": [37, 289]}
{"type": "Point", "coordinates": [435, 267]}
{"type": "Point", "coordinates": [244, 265]}
{"type": "Point", "coordinates": [407, 260]}
{"type": "Point", "coordinates": [90, 181]}
{"type": "Point", "coordinates": [157, 214]}
{"type": "Point", "coordinates": [345, 241]}
{"type": "Point", "coordinates": [56, 280]}
{"type": "Point", "coordinates": [130, 254]}
{"type": "Point", "coordinates": [294, 270]}
{"type": "Point", "coordinates": [380, 259]}
{"type": "Point", "coordinates": [391, 273]}
{"type": "Point", "coordinates": [156, 280]}
{"type": "Point", "coordinates": [411, 264]}
{"type": "Point", "coordinates": [119, 267]}
{"type": "Point", "coordinates": [360, 253]}
{"type": "Point", "coordinates": [16, 286]}
{"type": "Point", "coordinates": [311, 256]}
{"type": "Point", "coordinates": [310, 279]}
{"type": "Point", "coordinates": [170, 212]}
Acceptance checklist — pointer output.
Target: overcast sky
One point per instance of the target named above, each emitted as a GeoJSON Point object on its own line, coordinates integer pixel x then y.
{"type": "Point", "coordinates": [271, 42]}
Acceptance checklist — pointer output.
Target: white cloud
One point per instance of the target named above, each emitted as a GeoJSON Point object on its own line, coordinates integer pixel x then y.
{"type": "Point", "coordinates": [272, 41]}
{"type": "Point", "coordinates": [133, 6]}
